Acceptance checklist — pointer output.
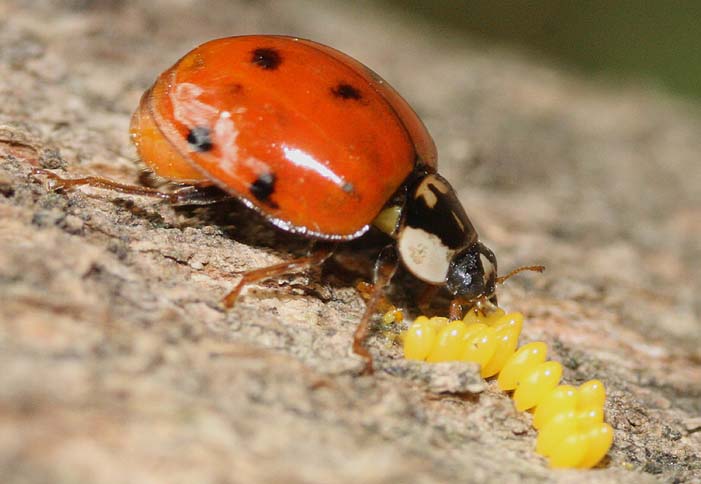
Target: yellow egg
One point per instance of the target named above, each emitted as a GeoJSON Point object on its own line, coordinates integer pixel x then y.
{"type": "Point", "coordinates": [438, 322]}
{"type": "Point", "coordinates": [591, 394]}
{"type": "Point", "coordinates": [494, 317]}
{"type": "Point", "coordinates": [570, 420]}
{"type": "Point", "coordinates": [600, 438]}
{"type": "Point", "coordinates": [480, 348]}
{"type": "Point", "coordinates": [512, 320]}
{"type": "Point", "coordinates": [419, 339]}
{"type": "Point", "coordinates": [536, 383]}
{"type": "Point", "coordinates": [589, 417]}
{"type": "Point", "coordinates": [570, 451]}
{"type": "Point", "coordinates": [448, 343]}
{"type": "Point", "coordinates": [507, 341]}
{"type": "Point", "coordinates": [562, 398]}
{"type": "Point", "coordinates": [422, 319]}
{"type": "Point", "coordinates": [553, 432]}
{"type": "Point", "coordinates": [527, 357]}
{"type": "Point", "coordinates": [473, 316]}
{"type": "Point", "coordinates": [472, 330]}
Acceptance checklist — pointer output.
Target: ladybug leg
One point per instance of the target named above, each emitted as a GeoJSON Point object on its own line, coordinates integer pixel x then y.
{"type": "Point", "coordinates": [481, 305]}
{"type": "Point", "coordinates": [455, 311]}
{"type": "Point", "coordinates": [385, 267]}
{"type": "Point", "coordinates": [301, 263]}
{"type": "Point", "coordinates": [486, 306]}
{"type": "Point", "coordinates": [367, 290]}
{"type": "Point", "coordinates": [198, 195]}
{"type": "Point", "coordinates": [189, 195]}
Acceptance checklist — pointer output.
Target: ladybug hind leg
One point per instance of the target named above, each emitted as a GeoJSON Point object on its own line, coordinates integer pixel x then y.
{"type": "Point", "coordinates": [295, 265]}
{"type": "Point", "coordinates": [188, 195]}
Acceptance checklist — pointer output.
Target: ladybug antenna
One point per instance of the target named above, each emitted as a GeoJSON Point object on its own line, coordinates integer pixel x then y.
{"type": "Point", "coordinates": [502, 279]}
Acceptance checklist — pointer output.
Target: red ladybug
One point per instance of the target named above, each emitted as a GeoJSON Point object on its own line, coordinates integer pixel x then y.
{"type": "Point", "coordinates": [321, 146]}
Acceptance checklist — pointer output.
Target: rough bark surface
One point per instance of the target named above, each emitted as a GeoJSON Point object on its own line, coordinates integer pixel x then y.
{"type": "Point", "coordinates": [117, 363]}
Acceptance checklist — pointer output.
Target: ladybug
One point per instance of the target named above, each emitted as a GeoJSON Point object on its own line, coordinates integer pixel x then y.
{"type": "Point", "coordinates": [321, 146]}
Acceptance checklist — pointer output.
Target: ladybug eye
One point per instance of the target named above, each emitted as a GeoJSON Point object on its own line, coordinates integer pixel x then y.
{"type": "Point", "coordinates": [346, 91]}
{"type": "Point", "coordinates": [268, 59]}
{"type": "Point", "coordinates": [199, 139]}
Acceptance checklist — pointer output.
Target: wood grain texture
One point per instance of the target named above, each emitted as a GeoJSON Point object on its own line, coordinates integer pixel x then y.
{"type": "Point", "coordinates": [118, 365]}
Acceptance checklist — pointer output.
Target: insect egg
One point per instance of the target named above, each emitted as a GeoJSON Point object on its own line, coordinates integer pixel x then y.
{"type": "Point", "coordinates": [569, 420]}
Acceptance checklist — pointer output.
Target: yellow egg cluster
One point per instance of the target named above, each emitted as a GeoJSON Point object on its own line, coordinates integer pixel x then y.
{"type": "Point", "coordinates": [569, 420]}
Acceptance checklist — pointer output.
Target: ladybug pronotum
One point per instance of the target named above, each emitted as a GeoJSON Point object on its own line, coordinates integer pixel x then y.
{"type": "Point", "coordinates": [318, 144]}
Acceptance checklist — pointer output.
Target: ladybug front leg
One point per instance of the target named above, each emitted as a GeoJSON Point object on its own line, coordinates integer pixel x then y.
{"type": "Point", "coordinates": [188, 195]}
{"type": "Point", "coordinates": [482, 305]}
{"type": "Point", "coordinates": [455, 311]}
{"type": "Point", "coordinates": [301, 263]}
{"type": "Point", "coordinates": [385, 267]}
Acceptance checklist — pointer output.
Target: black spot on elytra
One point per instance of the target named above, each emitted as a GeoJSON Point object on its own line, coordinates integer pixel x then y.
{"type": "Point", "coordinates": [263, 187]}
{"type": "Point", "coordinates": [346, 91]}
{"type": "Point", "coordinates": [199, 139]}
{"type": "Point", "coordinates": [265, 58]}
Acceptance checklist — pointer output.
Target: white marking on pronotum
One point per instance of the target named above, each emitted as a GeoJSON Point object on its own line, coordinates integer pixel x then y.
{"type": "Point", "coordinates": [424, 190]}
{"type": "Point", "coordinates": [305, 160]}
{"type": "Point", "coordinates": [424, 254]}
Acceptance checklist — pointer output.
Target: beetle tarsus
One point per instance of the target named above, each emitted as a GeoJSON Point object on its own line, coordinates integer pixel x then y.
{"type": "Point", "coordinates": [486, 305]}
{"type": "Point", "coordinates": [455, 311]}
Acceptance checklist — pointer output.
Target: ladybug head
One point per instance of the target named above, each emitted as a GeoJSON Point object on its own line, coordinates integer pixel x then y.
{"type": "Point", "coordinates": [472, 272]}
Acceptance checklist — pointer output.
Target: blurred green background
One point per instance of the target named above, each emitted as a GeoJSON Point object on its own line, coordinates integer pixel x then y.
{"type": "Point", "coordinates": [658, 41]}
